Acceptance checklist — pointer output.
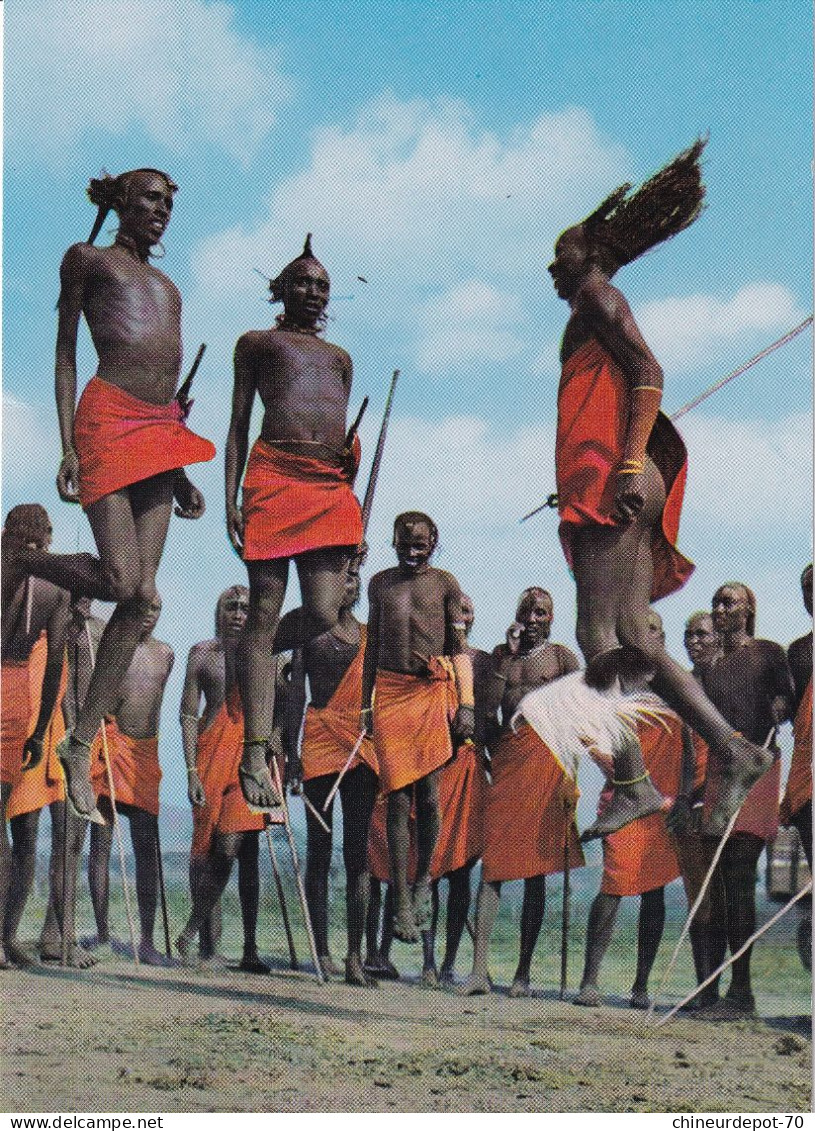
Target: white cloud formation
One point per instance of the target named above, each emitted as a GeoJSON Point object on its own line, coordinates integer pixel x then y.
{"type": "Point", "coordinates": [469, 323]}
{"type": "Point", "coordinates": [683, 332]}
{"type": "Point", "coordinates": [177, 69]}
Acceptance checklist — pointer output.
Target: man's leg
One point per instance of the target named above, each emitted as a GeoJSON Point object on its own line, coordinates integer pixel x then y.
{"type": "Point", "coordinates": [322, 576]}
{"type": "Point", "coordinates": [23, 865]}
{"type": "Point", "coordinates": [802, 820]}
{"type": "Point", "coordinates": [486, 912]}
{"type": "Point", "coordinates": [55, 916]}
{"type": "Point", "coordinates": [398, 826]}
{"type": "Point", "coordinates": [649, 936]}
{"type": "Point", "coordinates": [144, 835]}
{"type": "Point", "coordinates": [249, 894]}
{"type": "Point", "coordinates": [5, 870]}
{"type": "Point", "coordinates": [458, 908]}
{"type": "Point", "coordinates": [739, 861]}
{"type": "Point", "coordinates": [99, 878]}
{"type": "Point", "coordinates": [531, 921]}
{"type": "Point", "coordinates": [358, 791]}
{"type": "Point", "coordinates": [430, 975]}
{"type": "Point", "coordinates": [216, 868]}
{"type": "Point", "coordinates": [601, 924]}
{"type": "Point", "coordinates": [130, 528]}
{"type": "Point", "coordinates": [318, 864]}
{"type": "Point", "coordinates": [428, 823]}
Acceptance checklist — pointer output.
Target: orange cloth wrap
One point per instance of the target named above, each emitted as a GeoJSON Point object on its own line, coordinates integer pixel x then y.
{"type": "Point", "coordinates": [799, 782]}
{"type": "Point", "coordinates": [330, 733]}
{"type": "Point", "coordinates": [593, 413]}
{"type": "Point", "coordinates": [525, 821]}
{"type": "Point", "coordinates": [220, 747]}
{"type": "Point", "coordinates": [462, 799]}
{"type": "Point", "coordinates": [700, 750]}
{"type": "Point", "coordinates": [641, 856]}
{"type": "Point", "coordinates": [122, 440]}
{"type": "Point", "coordinates": [35, 789]}
{"type": "Point", "coordinates": [411, 717]}
{"type": "Point", "coordinates": [134, 766]}
{"type": "Point", "coordinates": [294, 503]}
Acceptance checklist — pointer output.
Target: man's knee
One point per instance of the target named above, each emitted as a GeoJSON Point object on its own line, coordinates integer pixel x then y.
{"type": "Point", "coordinates": [121, 578]}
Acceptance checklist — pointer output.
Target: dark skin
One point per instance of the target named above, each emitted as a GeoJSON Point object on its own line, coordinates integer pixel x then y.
{"type": "Point", "coordinates": [527, 660]}
{"type": "Point", "coordinates": [133, 313]}
{"type": "Point", "coordinates": [303, 383]}
{"type": "Point", "coordinates": [799, 657]}
{"type": "Point", "coordinates": [613, 565]}
{"type": "Point", "coordinates": [414, 614]}
{"type": "Point", "coordinates": [29, 609]}
{"type": "Point", "coordinates": [137, 715]}
{"type": "Point", "coordinates": [205, 683]}
{"type": "Point", "coordinates": [752, 685]}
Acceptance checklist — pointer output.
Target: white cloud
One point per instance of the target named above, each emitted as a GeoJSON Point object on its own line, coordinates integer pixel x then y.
{"type": "Point", "coordinates": [177, 69]}
{"type": "Point", "coordinates": [683, 332]}
{"type": "Point", "coordinates": [469, 323]}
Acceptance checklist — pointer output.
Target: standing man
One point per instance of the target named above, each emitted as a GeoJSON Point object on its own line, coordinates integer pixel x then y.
{"type": "Point", "coordinates": [333, 664]}
{"type": "Point", "coordinates": [297, 497]}
{"type": "Point", "coordinates": [35, 620]}
{"type": "Point", "coordinates": [752, 686]}
{"type": "Point", "coordinates": [124, 445]}
{"type": "Point", "coordinates": [532, 799]}
{"type": "Point", "coordinates": [620, 477]}
{"type": "Point", "coordinates": [416, 655]}
{"type": "Point", "coordinates": [131, 733]}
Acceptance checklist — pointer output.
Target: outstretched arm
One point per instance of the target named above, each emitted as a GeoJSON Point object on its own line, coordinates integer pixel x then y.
{"type": "Point", "coordinates": [464, 722]}
{"type": "Point", "coordinates": [237, 441]}
{"type": "Point", "coordinates": [56, 633]}
{"type": "Point", "coordinates": [190, 701]}
{"type": "Point", "coordinates": [72, 279]}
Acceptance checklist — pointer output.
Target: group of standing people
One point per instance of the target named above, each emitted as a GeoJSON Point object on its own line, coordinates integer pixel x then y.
{"type": "Point", "coordinates": [403, 711]}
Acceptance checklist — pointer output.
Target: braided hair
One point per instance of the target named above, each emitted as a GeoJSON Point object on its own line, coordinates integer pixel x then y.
{"type": "Point", "coordinates": [112, 193]}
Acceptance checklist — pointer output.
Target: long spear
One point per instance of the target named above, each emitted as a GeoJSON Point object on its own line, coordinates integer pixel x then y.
{"type": "Point", "coordinates": [368, 501]}
{"type": "Point", "coordinates": [552, 501]}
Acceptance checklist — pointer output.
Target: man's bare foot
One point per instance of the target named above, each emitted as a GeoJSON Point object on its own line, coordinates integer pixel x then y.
{"type": "Point", "coordinates": [430, 978]}
{"type": "Point", "coordinates": [520, 988]}
{"type": "Point", "coordinates": [78, 958]}
{"type": "Point", "coordinates": [75, 759]}
{"type": "Point", "coordinates": [356, 974]}
{"type": "Point", "coordinates": [744, 764]}
{"type": "Point", "coordinates": [446, 976]}
{"type": "Point", "coordinates": [250, 963]}
{"type": "Point", "coordinates": [628, 803]}
{"type": "Point", "coordinates": [152, 957]}
{"type": "Point", "coordinates": [17, 955]}
{"type": "Point", "coordinates": [404, 925]}
{"type": "Point", "coordinates": [588, 995]}
{"type": "Point", "coordinates": [382, 967]}
{"type": "Point", "coordinates": [640, 999]}
{"type": "Point", "coordinates": [729, 1008]}
{"type": "Point", "coordinates": [328, 966]}
{"type": "Point", "coordinates": [475, 985]}
{"type": "Point", "coordinates": [183, 944]}
{"type": "Point", "coordinates": [423, 904]}
{"type": "Point", "coordinates": [257, 786]}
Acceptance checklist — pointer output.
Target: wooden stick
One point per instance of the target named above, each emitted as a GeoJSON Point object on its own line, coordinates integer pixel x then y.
{"type": "Point", "coordinates": [163, 895]}
{"type": "Point", "coordinates": [296, 864]}
{"type": "Point", "coordinates": [733, 957]}
{"type": "Point", "coordinates": [295, 965]}
{"type": "Point", "coordinates": [315, 814]}
{"type": "Point", "coordinates": [344, 770]}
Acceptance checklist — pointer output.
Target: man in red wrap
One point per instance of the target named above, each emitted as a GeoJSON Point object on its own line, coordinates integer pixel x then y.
{"type": "Point", "coordinates": [297, 497]}
{"type": "Point", "coordinates": [620, 476]}
{"type": "Point", "coordinates": [224, 828]}
{"type": "Point", "coordinates": [124, 445]}
{"type": "Point", "coordinates": [752, 686]}
{"type": "Point", "coordinates": [35, 620]}
{"type": "Point", "coordinates": [333, 664]}
{"type": "Point", "coordinates": [640, 858]}
{"type": "Point", "coordinates": [418, 674]}
{"type": "Point", "coordinates": [131, 737]}
{"type": "Point", "coordinates": [531, 802]}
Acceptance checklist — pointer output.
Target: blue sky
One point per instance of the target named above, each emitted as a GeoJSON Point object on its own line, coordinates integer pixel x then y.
{"type": "Point", "coordinates": [437, 150]}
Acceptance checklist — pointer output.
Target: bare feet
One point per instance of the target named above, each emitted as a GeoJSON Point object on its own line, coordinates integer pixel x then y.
{"type": "Point", "coordinates": [447, 976]}
{"type": "Point", "coordinates": [257, 786]}
{"type": "Point", "coordinates": [430, 978]}
{"type": "Point", "coordinates": [588, 995]}
{"type": "Point", "coordinates": [520, 988]}
{"type": "Point", "coordinates": [640, 999]}
{"type": "Point", "coordinates": [475, 985]}
{"type": "Point", "coordinates": [731, 1007]}
{"type": "Point", "coordinates": [183, 944]}
{"type": "Point", "coordinates": [75, 759]}
{"type": "Point", "coordinates": [628, 803]}
{"type": "Point", "coordinates": [404, 925]}
{"type": "Point", "coordinates": [744, 765]}
{"type": "Point", "coordinates": [152, 957]}
{"type": "Point", "coordinates": [382, 967]}
{"type": "Point", "coordinates": [423, 904]}
{"type": "Point", "coordinates": [78, 957]}
{"type": "Point", "coordinates": [329, 966]}
{"type": "Point", "coordinates": [355, 973]}
{"type": "Point", "coordinates": [16, 955]}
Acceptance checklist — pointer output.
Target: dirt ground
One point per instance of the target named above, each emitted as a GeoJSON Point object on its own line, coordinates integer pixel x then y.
{"type": "Point", "coordinates": [121, 1040]}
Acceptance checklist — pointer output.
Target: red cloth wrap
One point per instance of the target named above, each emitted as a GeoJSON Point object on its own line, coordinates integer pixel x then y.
{"type": "Point", "coordinates": [330, 733]}
{"type": "Point", "coordinates": [593, 410]}
{"type": "Point", "coordinates": [641, 856]}
{"type": "Point", "coordinates": [220, 748]}
{"type": "Point", "coordinates": [294, 503]}
{"type": "Point", "coordinates": [462, 800]}
{"type": "Point", "coordinates": [412, 715]}
{"type": "Point", "coordinates": [21, 697]}
{"type": "Point", "coordinates": [525, 822]}
{"type": "Point", "coordinates": [799, 782]}
{"type": "Point", "coordinates": [121, 440]}
{"type": "Point", "coordinates": [134, 767]}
